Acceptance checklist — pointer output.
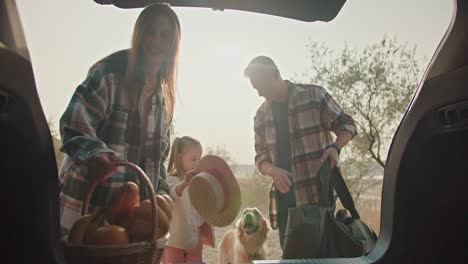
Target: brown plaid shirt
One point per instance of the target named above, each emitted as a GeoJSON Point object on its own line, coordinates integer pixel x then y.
{"type": "Point", "coordinates": [100, 118]}
{"type": "Point", "coordinates": [312, 114]}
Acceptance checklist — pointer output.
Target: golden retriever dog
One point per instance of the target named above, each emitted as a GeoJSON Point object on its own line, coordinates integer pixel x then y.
{"type": "Point", "coordinates": [246, 243]}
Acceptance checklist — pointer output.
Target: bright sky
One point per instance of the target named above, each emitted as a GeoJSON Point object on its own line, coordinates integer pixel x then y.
{"type": "Point", "coordinates": [216, 104]}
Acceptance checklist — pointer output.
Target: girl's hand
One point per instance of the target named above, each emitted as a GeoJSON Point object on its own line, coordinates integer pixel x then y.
{"type": "Point", "coordinates": [184, 184]}
{"type": "Point", "coordinates": [101, 167]}
{"type": "Point", "coordinates": [188, 177]}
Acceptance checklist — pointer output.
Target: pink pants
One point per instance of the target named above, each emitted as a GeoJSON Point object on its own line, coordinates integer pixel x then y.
{"type": "Point", "coordinates": [174, 255]}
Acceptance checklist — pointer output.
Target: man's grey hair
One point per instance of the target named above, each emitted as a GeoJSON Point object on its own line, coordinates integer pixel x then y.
{"type": "Point", "coordinates": [260, 62]}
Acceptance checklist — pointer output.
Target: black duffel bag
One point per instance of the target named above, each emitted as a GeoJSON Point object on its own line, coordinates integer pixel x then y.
{"type": "Point", "coordinates": [314, 231]}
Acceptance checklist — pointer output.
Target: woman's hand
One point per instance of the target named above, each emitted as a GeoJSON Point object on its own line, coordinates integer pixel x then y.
{"type": "Point", "coordinates": [101, 167]}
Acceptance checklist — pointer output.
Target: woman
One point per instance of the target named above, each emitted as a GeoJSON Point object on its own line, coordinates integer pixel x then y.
{"type": "Point", "coordinates": [123, 111]}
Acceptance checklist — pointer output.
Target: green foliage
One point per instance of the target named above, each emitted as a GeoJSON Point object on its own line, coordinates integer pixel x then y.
{"type": "Point", "coordinates": [373, 85]}
{"type": "Point", "coordinates": [221, 151]}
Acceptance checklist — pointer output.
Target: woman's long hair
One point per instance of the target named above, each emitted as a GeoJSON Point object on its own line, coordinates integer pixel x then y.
{"type": "Point", "coordinates": [168, 71]}
{"type": "Point", "coordinates": [179, 145]}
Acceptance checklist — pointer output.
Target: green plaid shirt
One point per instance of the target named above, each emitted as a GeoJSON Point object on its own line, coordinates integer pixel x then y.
{"type": "Point", "coordinates": [101, 119]}
{"type": "Point", "coordinates": [312, 114]}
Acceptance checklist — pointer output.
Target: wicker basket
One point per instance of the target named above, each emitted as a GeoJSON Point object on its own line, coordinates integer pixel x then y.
{"type": "Point", "coordinates": [144, 252]}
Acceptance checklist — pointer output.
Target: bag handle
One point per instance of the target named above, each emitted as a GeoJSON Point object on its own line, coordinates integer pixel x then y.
{"type": "Point", "coordinates": [332, 177]}
{"type": "Point", "coordinates": [343, 193]}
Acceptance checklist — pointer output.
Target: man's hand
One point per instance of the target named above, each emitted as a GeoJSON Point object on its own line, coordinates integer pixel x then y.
{"type": "Point", "coordinates": [331, 153]}
{"type": "Point", "coordinates": [164, 205]}
{"type": "Point", "coordinates": [101, 167]}
{"type": "Point", "coordinates": [281, 178]}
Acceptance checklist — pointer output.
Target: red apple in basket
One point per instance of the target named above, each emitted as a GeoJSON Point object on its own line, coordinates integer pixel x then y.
{"type": "Point", "coordinates": [140, 230]}
{"type": "Point", "coordinates": [122, 204]}
{"type": "Point", "coordinates": [108, 235]}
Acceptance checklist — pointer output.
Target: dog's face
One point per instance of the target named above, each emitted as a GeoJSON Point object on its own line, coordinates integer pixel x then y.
{"type": "Point", "coordinates": [252, 222]}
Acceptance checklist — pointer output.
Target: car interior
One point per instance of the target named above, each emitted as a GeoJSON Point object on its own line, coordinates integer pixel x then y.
{"type": "Point", "coordinates": [424, 197]}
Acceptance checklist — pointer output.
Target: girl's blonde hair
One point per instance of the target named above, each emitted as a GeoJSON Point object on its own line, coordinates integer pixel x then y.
{"type": "Point", "coordinates": [168, 71]}
{"type": "Point", "coordinates": [179, 145]}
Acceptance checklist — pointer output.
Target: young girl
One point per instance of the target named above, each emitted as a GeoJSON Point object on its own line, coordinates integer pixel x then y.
{"type": "Point", "coordinates": [188, 231]}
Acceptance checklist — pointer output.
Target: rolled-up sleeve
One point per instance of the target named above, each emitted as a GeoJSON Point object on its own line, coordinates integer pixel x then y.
{"type": "Point", "coordinates": [333, 117]}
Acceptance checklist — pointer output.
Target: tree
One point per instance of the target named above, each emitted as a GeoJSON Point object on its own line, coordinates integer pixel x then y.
{"type": "Point", "coordinates": [374, 86]}
{"type": "Point", "coordinates": [221, 151]}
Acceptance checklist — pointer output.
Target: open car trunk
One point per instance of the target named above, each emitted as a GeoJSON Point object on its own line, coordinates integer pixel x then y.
{"type": "Point", "coordinates": [424, 193]}
{"type": "Point", "coordinates": [305, 10]}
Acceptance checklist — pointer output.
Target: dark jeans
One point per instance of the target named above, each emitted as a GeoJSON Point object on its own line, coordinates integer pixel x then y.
{"type": "Point", "coordinates": [285, 201]}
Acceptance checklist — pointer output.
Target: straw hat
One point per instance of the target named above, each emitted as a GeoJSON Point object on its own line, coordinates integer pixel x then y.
{"type": "Point", "coordinates": [214, 192]}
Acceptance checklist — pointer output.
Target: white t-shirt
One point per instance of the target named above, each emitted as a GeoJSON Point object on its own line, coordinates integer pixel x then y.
{"type": "Point", "coordinates": [185, 221]}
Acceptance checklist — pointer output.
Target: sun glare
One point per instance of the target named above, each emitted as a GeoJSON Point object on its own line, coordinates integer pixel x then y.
{"type": "Point", "coordinates": [229, 62]}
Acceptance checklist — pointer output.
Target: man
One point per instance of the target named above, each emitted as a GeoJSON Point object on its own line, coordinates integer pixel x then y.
{"type": "Point", "coordinates": [293, 137]}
